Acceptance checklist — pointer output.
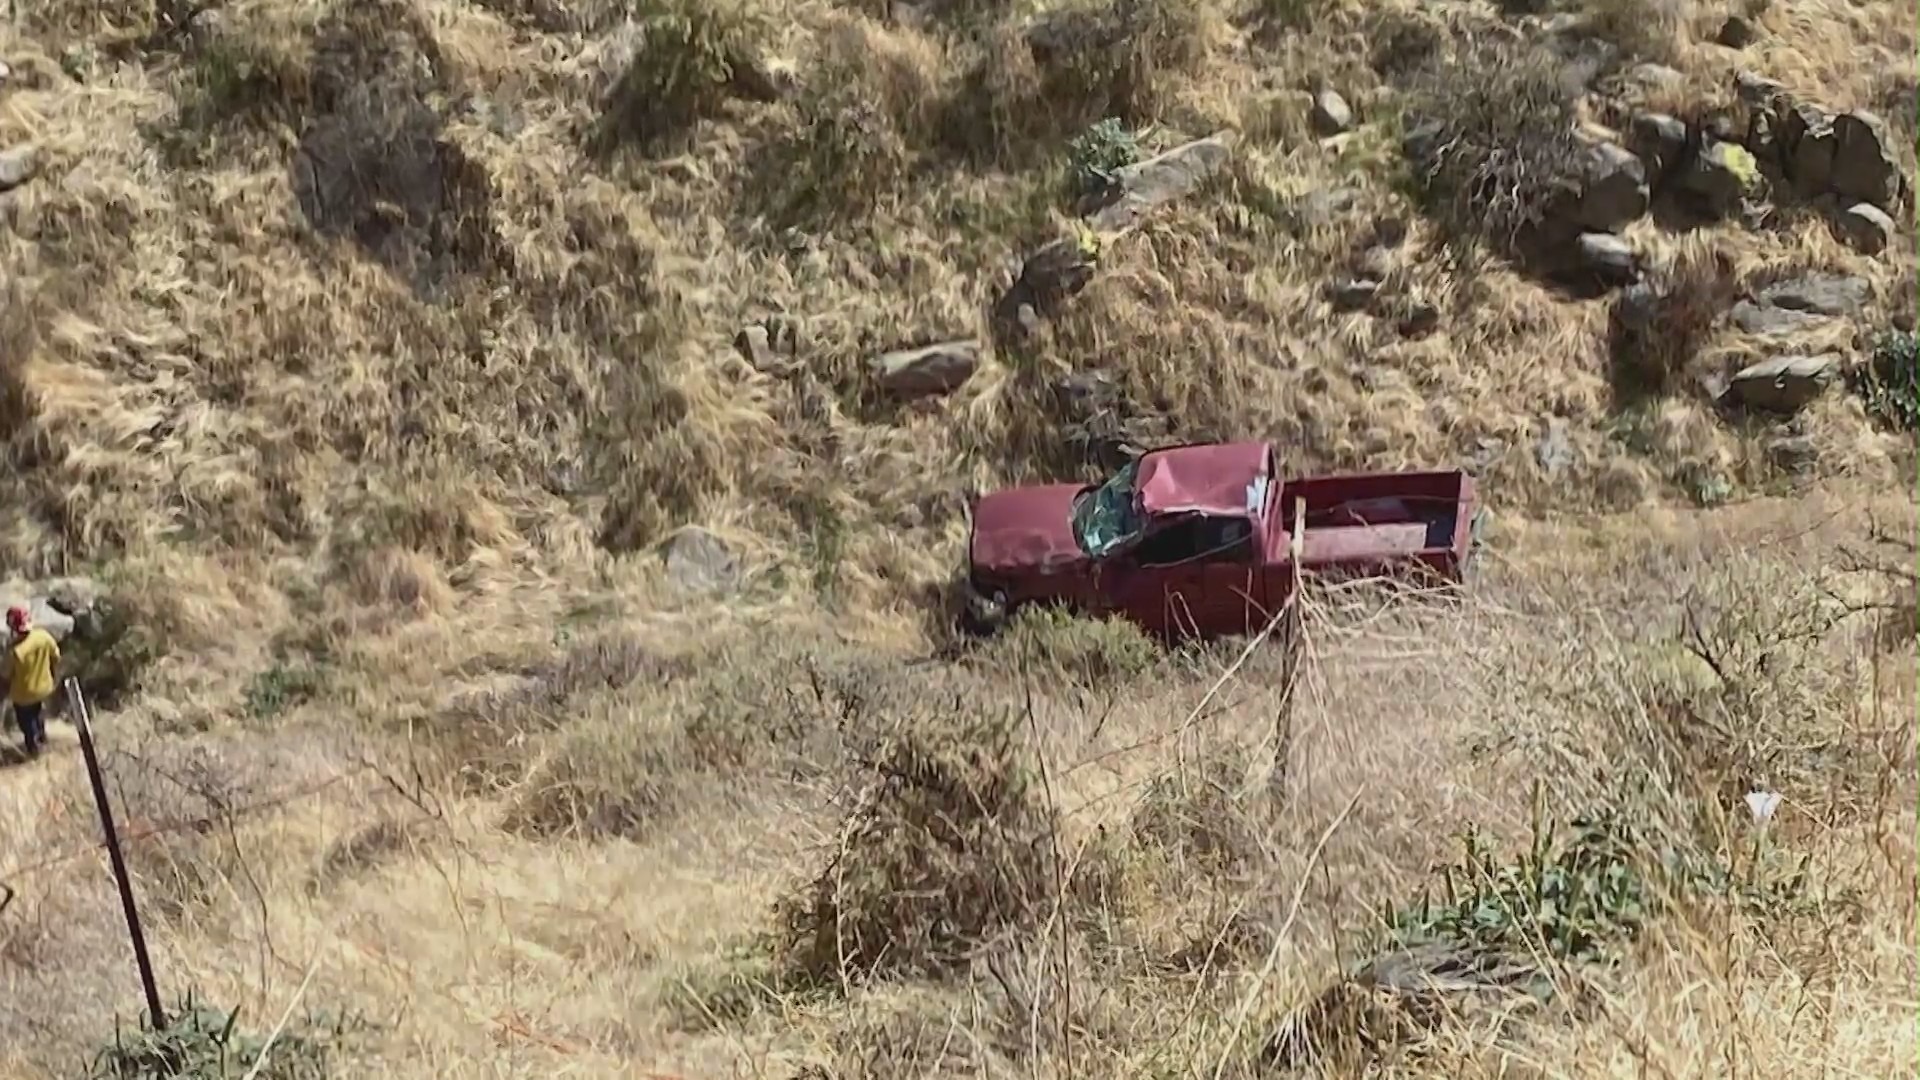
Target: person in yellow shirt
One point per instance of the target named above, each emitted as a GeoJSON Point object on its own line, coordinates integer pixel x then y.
{"type": "Point", "coordinates": [32, 655]}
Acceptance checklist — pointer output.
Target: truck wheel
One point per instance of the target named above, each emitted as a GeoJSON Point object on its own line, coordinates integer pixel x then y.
{"type": "Point", "coordinates": [984, 615]}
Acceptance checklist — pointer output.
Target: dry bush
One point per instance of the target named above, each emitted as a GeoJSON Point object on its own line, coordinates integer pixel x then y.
{"type": "Point", "coordinates": [1053, 644]}
{"type": "Point", "coordinates": [187, 809]}
{"type": "Point", "coordinates": [1656, 30]}
{"type": "Point", "coordinates": [1490, 140]}
{"type": "Point", "coordinates": [486, 736]}
{"type": "Point", "coordinates": [868, 100]}
{"type": "Point", "coordinates": [1656, 330]}
{"type": "Point", "coordinates": [950, 847]}
{"type": "Point", "coordinates": [1209, 822]}
{"type": "Point", "coordinates": [691, 56]}
{"type": "Point", "coordinates": [1028, 88]}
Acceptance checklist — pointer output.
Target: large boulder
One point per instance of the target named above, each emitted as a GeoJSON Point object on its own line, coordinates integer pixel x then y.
{"type": "Point", "coordinates": [1331, 114]}
{"type": "Point", "coordinates": [1613, 189]}
{"type": "Point", "coordinates": [1660, 141]}
{"type": "Point", "coordinates": [1720, 176]}
{"type": "Point", "coordinates": [64, 607]}
{"type": "Point", "coordinates": [1867, 227]}
{"type": "Point", "coordinates": [1159, 180]}
{"type": "Point", "coordinates": [1808, 143]}
{"type": "Point", "coordinates": [1801, 302]}
{"type": "Point", "coordinates": [1864, 168]}
{"type": "Point", "coordinates": [698, 561]}
{"type": "Point", "coordinates": [1783, 384]}
{"type": "Point", "coordinates": [1607, 257]}
{"type": "Point", "coordinates": [18, 165]}
{"type": "Point", "coordinates": [927, 371]}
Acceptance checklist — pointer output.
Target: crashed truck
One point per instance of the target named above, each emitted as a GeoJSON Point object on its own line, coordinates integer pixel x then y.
{"type": "Point", "coordinates": [1199, 540]}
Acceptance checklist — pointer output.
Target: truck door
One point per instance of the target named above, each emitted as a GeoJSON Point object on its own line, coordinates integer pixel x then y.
{"type": "Point", "coordinates": [1194, 576]}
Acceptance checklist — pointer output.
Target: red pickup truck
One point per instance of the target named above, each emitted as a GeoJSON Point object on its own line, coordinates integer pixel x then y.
{"type": "Point", "coordinates": [1198, 540]}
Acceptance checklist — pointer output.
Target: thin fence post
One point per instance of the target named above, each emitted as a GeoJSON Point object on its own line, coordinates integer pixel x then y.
{"type": "Point", "coordinates": [83, 723]}
{"type": "Point", "coordinates": [1292, 641]}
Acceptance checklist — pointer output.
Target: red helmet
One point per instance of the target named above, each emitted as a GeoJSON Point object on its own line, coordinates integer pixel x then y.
{"type": "Point", "coordinates": [18, 619]}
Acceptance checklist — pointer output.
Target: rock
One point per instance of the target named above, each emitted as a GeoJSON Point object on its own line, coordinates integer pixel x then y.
{"type": "Point", "coordinates": [18, 165]}
{"type": "Point", "coordinates": [927, 371]}
{"type": "Point", "coordinates": [1352, 294]}
{"type": "Point", "coordinates": [1738, 32]}
{"type": "Point", "coordinates": [1554, 451]}
{"type": "Point", "coordinates": [1637, 306]}
{"type": "Point", "coordinates": [1048, 278]}
{"type": "Point", "coordinates": [700, 562]}
{"type": "Point", "coordinates": [756, 345]}
{"type": "Point", "coordinates": [1793, 453]}
{"type": "Point", "coordinates": [1756, 89]}
{"type": "Point", "coordinates": [6, 74]}
{"type": "Point", "coordinates": [1321, 209]}
{"type": "Point", "coordinates": [1866, 227]}
{"type": "Point", "coordinates": [1808, 143]}
{"type": "Point", "coordinates": [1614, 189]}
{"type": "Point", "coordinates": [1656, 77]}
{"type": "Point", "coordinates": [1142, 186]}
{"type": "Point", "coordinates": [1820, 294]}
{"type": "Point", "coordinates": [770, 346]}
{"type": "Point", "coordinates": [1659, 140]}
{"type": "Point", "coordinates": [1373, 264]}
{"type": "Point", "coordinates": [1755, 318]}
{"type": "Point", "coordinates": [1608, 256]}
{"type": "Point", "coordinates": [1864, 168]}
{"type": "Point", "coordinates": [1389, 233]}
{"type": "Point", "coordinates": [1783, 384]}
{"type": "Point", "coordinates": [1721, 175]}
{"type": "Point", "coordinates": [1331, 114]}
{"type": "Point", "coordinates": [1420, 320]}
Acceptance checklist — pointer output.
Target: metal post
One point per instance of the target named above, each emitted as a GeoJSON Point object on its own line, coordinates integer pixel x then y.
{"type": "Point", "coordinates": [84, 724]}
{"type": "Point", "coordinates": [1292, 641]}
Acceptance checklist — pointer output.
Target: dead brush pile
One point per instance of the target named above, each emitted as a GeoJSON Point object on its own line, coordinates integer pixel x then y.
{"type": "Point", "coordinates": [949, 850]}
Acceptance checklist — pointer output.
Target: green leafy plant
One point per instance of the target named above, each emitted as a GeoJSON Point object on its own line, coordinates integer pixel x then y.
{"type": "Point", "coordinates": [1890, 383]}
{"type": "Point", "coordinates": [280, 688]}
{"type": "Point", "coordinates": [202, 1043]}
{"type": "Point", "coordinates": [1096, 156]}
{"type": "Point", "coordinates": [1579, 895]}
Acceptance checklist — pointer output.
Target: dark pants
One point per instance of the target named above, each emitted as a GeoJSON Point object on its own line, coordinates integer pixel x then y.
{"type": "Point", "coordinates": [33, 728]}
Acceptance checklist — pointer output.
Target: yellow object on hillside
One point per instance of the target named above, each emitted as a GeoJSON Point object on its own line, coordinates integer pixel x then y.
{"type": "Point", "coordinates": [30, 663]}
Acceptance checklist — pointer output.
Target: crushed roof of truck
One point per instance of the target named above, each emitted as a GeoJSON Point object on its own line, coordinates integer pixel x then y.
{"type": "Point", "coordinates": [1225, 478]}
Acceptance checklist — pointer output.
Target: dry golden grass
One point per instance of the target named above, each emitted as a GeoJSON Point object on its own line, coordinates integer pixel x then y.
{"type": "Point", "coordinates": [368, 350]}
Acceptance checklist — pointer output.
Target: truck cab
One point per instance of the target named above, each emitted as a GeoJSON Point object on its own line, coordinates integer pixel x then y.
{"type": "Point", "coordinates": [1198, 540]}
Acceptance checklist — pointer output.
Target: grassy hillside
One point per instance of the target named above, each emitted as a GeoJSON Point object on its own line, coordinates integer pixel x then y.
{"type": "Point", "coordinates": [371, 355]}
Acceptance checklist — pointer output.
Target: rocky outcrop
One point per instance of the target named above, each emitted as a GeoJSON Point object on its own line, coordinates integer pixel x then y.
{"type": "Point", "coordinates": [927, 371]}
{"type": "Point", "coordinates": [1866, 227]}
{"type": "Point", "coordinates": [18, 165]}
{"type": "Point", "coordinates": [1140, 188]}
{"type": "Point", "coordinates": [1331, 115]}
{"type": "Point", "coordinates": [1800, 303]}
{"type": "Point", "coordinates": [1783, 384]}
{"type": "Point", "coordinates": [699, 561]}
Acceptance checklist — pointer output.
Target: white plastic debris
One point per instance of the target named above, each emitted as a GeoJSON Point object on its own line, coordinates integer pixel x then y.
{"type": "Point", "coordinates": [1762, 804]}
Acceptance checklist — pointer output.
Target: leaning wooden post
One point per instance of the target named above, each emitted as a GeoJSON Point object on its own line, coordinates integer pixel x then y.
{"type": "Point", "coordinates": [1292, 641]}
{"type": "Point", "coordinates": [83, 723]}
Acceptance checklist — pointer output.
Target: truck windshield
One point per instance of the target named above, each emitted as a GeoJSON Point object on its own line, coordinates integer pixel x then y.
{"type": "Point", "coordinates": [1106, 517]}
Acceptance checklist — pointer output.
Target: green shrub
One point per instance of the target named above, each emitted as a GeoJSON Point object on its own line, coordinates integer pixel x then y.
{"type": "Point", "coordinates": [1097, 155]}
{"type": "Point", "coordinates": [1087, 651]}
{"type": "Point", "coordinates": [281, 687]}
{"type": "Point", "coordinates": [202, 1043]}
{"type": "Point", "coordinates": [1890, 382]}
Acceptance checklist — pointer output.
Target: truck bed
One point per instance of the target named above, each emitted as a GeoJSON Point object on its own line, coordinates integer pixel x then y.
{"type": "Point", "coordinates": [1375, 518]}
